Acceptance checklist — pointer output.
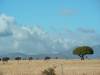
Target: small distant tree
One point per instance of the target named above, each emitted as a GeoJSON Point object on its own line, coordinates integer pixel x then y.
{"type": "Point", "coordinates": [18, 58]}
{"type": "Point", "coordinates": [56, 58]}
{"type": "Point", "coordinates": [49, 71]}
{"type": "Point", "coordinates": [0, 59]}
{"type": "Point", "coordinates": [5, 59]}
{"type": "Point", "coordinates": [82, 51]}
{"type": "Point", "coordinates": [47, 58]}
{"type": "Point", "coordinates": [30, 58]}
{"type": "Point", "coordinates": [24, 59]}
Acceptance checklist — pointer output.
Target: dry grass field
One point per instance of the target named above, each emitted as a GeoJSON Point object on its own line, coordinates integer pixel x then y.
{"type": "Point", "coordinates": [63, 67]}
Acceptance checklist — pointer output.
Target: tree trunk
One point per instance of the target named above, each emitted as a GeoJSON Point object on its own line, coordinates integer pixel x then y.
{"type": "Point", "coordinates": [82, 57]}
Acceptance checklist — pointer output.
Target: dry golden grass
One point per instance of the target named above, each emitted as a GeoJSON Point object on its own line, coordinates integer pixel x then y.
{"type": "Point", "coordinates": [35, 67]}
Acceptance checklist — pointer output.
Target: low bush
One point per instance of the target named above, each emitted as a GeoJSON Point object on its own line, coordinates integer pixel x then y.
{"type": "Point", "coordinates": [49, 71]}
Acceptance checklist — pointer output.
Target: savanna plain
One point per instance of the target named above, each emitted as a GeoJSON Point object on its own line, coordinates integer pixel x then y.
{"type": "Point", "coordinates": [61, 66]}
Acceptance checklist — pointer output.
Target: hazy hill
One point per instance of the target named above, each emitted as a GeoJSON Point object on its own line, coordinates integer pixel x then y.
{"type": "Point", "coordinates": [64, 54]}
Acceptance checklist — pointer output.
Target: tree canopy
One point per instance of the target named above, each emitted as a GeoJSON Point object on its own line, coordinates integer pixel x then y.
{"type": "Point", "coordinates": [82, 51]}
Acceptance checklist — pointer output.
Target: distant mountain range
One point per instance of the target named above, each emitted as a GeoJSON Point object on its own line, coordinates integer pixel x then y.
{"type": "Point", "coordinates": [61, 55]}
{"type": "Point", "coordinates": [96, 51]}
{"type": "Point", "coordinates": [66, 54]}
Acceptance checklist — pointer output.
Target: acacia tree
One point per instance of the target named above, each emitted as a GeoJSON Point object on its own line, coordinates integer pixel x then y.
{"type": "Point", "coordinates": [82, 51]}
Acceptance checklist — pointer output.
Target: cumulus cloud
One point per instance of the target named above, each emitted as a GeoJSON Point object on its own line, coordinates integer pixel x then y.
{"type": "Point", "coordinates": [35, 40]}
{"type": "Point", "coordinates": [6, 23]}
{"type": "Point", "coordinates": [26, 39]}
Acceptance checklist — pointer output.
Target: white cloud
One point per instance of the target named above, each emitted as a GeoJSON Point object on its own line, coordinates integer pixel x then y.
{"type": "Point", "coordinates": [35, 40]}
{"type": "Point", "coordinates": [6, 23]}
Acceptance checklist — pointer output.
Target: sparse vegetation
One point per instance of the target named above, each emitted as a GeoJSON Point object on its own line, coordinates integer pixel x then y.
{"type": "Point", "coordinates": [18, 58]}
{"type": "Point", "coordinates": [49, 71]}
{"type": "Point", "coordinates": [30, 58]}
{"type": "Point", "coordinates": [0, 59]}
{"type": "Point", "coordinates": [56, 58]}
{"type": "Point", "coordinates": [84, 74]}
{"type": "Point", "coordinates": [47, 58]}
{"type": "Point", "coordinates": [70, 67]}
{"type": "Point", "coordinates": [5, 59]}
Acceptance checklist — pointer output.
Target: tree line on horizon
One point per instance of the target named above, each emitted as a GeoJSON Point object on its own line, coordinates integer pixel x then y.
{"type": "Point", "coordinates": [81, 51]}
{"type": "Point", "coordinates": [6, 59]}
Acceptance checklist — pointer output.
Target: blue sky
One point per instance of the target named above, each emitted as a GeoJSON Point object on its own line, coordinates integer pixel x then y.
{"type": "Point", "coordinates": [61, 14]}
{"type": "Point", "coordinates": [48, 26]}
